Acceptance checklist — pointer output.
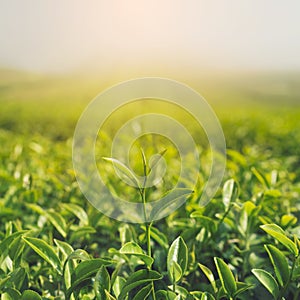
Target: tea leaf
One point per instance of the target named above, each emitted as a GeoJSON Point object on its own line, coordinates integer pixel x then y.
{"type": "Point", "coordinates": [268, 281]}
{"type": "Point", "coordinates": [177, 256]}
{"type": "Point", "coordinates": [276, 232]}
{"type": "Point", "coordinates": [226, 276]}
{"type": "Point", "coordinates": [44, 250]}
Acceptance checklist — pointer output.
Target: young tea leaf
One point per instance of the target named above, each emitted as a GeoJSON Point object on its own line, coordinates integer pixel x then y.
{"type": "Point", "coordinates": [177, 255]}
{"type": "Point", "coordinates": [230, 192]}
{"type": "Point", "coordinates": [118, 285]}
{"type": "Point", "coordinates": [124, 170]}
{"type": "Point", "coordinates": [226, 276]}
{"type": "Point", "coordinates": [133, 248]}
{"type": "Point", "coordinates": [276, 232]}
{"type": "Point", "coordinates": [44, 250]}
{"type": "Point", "coordinates": [260, 177]}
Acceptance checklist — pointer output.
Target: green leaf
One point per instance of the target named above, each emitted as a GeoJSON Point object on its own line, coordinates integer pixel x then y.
{"type": "Point", "coordinates": [6, 243]}
{"type": "Point", "coordinates": [243, 221]}
{"type": "Point", "coordinates": [127, 233]}
{"type": "Point", "coordinates": [18, 276]}
{"type": "Point", "coordinates": [230, 192]}
{"type": "Point", "coordinates": [138, 278]}
{"type": "Point", "coordinates": [143, 293]}
{"type": "Point", "coordinates": [210, 276]}
{"type": "Point", "coordinates": [182, 293]}
{"type": "Point", "coordinates": [30, 295]}
{"type": "Point", "coordinates": [36, 208]}
{"type": "Point", "coordinates": [79, 254]}
{"type": "Point", "coordinates": [156, 158]}
{"type": "Point", "coordinates": [58, 222]}
{"type": "Point", "coordinates": [11, 294]}
{"type": "Point", "coordinates": [177, 255]}
{"type": "Point", "coordinates": [175, 272]}
{"type": "Point", "coordinates": [279, 263]}
{"type": "Point", "coordinates": [44, 250]}
{"type": "Point", "coordinates": [64, 248]}
{"type": "Point", "coordinates": [3, 281]}
{"type": "Point", "coordinates": [86, 270]}
{"type": "Point", "coordinates": [242, 287]}
{"type": "Point", "coordinates": [165, 295]}
{"type": "Point", "coordinates": [101, 283]}
{"type": "Point", "coordinates": [288, 220]}
{"type": "Point", "coordinates": [77, 211]}
{"type": "Point", "coordinates": [226, 276]}
{"type": "Point", "coordinates": [208, 222]}
{"type": "Point", "coordinates": [133, 248]}
{"type": "Point", "coordinates": [276, 232]}
{"type": "Point", "coordinates": [163, 205]}
{"type": "Point", "coordinates": [82, 232]}
{"type": "Point", "coordinates": [267, 280]}
{"type": "Point", "coordinates": [158, 236]}
{"type": "Point", "coordinates": [118, 285]}
{"type": "Point", "coordinates": [207, 296]}
{"type": "Point", "coordinates": [108, 296]}
{"type": "Point", "coordinates": [124, 170]}
{"type": "Point", "coordinates": [145, 165]}
{"type": "Point", "coordinates": [260, 177]}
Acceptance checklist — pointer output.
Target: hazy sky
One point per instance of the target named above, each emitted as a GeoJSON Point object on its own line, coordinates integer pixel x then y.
{"type": "Point", "coordinates": [61, 35]}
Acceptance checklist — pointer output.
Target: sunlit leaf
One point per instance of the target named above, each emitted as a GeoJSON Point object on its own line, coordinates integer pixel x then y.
{"type": "Point", "coordinates": [44, 250]}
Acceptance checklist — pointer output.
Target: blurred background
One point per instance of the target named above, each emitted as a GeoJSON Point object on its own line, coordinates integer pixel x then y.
{"type": "Point", "coordinates": [242, 56]}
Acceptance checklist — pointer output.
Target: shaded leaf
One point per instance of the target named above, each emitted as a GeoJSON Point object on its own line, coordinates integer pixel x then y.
{"type": "Point", "coordinates": [102, 283]}
{"type": "Point", "coordinates": [138, 278]}
{"type": "Point", "coordinates": [143, 293]}
{"type": "Point", "coordinates": [267, 280]}
{"type": "Point", "coordinates": [30, 295]}
{"type": "Point", "coordinates": [86, 270]}
{"type": "Point", "coordinates": [279, 263]}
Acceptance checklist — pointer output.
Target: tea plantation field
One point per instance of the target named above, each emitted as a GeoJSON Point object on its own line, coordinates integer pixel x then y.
{"type": "Point", "coordinates": [244, 244]}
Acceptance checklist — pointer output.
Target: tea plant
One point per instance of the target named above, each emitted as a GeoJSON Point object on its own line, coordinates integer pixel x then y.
{"type": "Point", "coordinates": [244, 244]}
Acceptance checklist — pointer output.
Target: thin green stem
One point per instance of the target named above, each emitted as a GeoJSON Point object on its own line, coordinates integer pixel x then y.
{"type": "Point", "coordinates": [148, 225]}
{"type": "Point", "coordinates": [225, 215]}
{"type": "Point", "coordinates": [148, 233]}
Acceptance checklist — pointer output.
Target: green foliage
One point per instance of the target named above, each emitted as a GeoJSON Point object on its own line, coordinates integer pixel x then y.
{"type": "Point", "coordinates": [244, 244]}
{"type": "Point", "coordinates": [226, 277]}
